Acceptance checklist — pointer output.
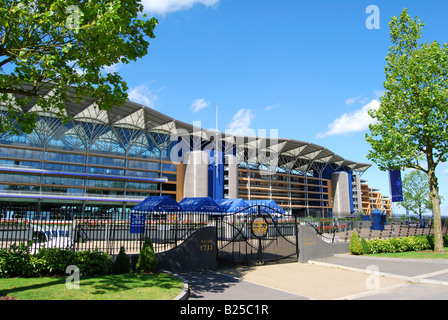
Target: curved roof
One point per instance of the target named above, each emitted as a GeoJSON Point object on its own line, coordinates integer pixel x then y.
{"type": "Point", "coordinates": [158, 203]}
{"type": "Point", "coordinates": [205, 204]}
{"type": "Point", "coordinates": [292, 154]}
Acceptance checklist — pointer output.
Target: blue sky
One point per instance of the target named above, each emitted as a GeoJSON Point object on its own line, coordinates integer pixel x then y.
{"type": "Point", "coordinates": [310, 69]}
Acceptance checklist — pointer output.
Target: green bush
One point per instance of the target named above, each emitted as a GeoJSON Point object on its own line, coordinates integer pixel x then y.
{"type": "Point", "coordinates": [411, 243]}
{"type": "Point", "coordinates": [355, 244]}
{"type": "Point", "coordinates": [147, 261]}
{"type": "Point", "coordinates": [16, 261]}
{"type": "Point", "coordinates": [54, 261]}
{"type": "Point", "coordinates": [365, 246]}
{"type": "Point", "coordinates": [431, 240]}
{"type": "Point", "coordinates": [121, 264]}
{"type": "Point", "coordinates": [92, 263]}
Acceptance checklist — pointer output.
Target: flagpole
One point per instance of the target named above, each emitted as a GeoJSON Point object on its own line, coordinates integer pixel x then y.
{"type": "Point", "coordinates": [216, 144]}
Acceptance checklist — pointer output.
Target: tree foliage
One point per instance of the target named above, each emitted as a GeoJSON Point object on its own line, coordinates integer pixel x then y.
{"type": "Point", "coordinates": [66, 45]}
{"type": "Point", "coordinates": [416, 193]}
{"type": "Point", "coordinates": [412, 121]}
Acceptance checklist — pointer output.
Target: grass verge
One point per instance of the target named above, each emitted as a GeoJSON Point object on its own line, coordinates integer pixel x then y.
{"type": "Point", "coordinates": [131, 286]}
{"type": "Point", "coordinates": [425, 254]}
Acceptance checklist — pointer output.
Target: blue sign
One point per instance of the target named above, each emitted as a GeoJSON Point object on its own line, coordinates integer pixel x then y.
{"type": "Point", "coordinates": [138, 220]}
{"type": "Point", "coordinates": [395, 185]}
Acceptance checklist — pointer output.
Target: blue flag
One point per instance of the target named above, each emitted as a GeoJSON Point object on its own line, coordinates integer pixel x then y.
{"type": "Point", "coordinates": [395, 185]}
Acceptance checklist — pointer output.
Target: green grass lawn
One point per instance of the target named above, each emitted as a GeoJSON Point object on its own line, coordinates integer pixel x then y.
{"type": "Point", "coordinates": [110, 287]}
{"type": "Point", "coordinates": [426, 254]}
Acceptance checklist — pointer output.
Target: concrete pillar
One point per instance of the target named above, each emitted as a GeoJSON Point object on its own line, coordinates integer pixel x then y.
{"type": "Point", "coordinates": [196, 174]}
{"type": "Point", "coordinates": [341, 196]}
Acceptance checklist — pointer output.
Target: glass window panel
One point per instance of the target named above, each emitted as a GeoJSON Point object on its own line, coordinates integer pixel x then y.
{"type": "Point", "coordinates": [169, 167]}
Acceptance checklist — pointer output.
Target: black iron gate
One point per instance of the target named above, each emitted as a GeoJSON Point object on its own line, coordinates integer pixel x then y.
{"type": "Point", "coordinates": [257, 234]}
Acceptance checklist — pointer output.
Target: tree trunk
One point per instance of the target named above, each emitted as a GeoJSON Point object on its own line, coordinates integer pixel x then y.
{"type": "Point", "coordinates": [434, 195]}
{"type": "Point", "coordinates": [420, 214]}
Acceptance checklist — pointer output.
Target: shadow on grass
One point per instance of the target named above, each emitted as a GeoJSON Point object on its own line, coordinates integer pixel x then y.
{"type": "Point", "coordinates": [120, 283]}
{"type": "Point", "coordinates": [97, 285]}
{"type": "Point", "coordinates": [36, 286]}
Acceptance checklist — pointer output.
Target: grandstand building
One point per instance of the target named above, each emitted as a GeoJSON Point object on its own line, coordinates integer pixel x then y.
{"type": "Point", "coordinates": [112, 160]}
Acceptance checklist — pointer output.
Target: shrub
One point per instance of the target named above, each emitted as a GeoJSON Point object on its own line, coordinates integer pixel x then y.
{"type": "Point", "coordinates": [93, 263]}
{"type": "Point", "coordinates": [355, 244]}
{"type": "Point", "coordinates": [147, 261]}
{"type": "Point", "coordinates": [376, 245]}
{"type": "Point", "coordinates": [365, 246]}
{"type": "Point", "coordinates": [54, 261]}
{"type": "Point", "coordinates": [411, 243]}
{"type": "Point", "coordinates": [121, 264]}
{"type": "Point", "coordinates": [16, 261]}
{"type": "Point", "coordinates": [431, 240]}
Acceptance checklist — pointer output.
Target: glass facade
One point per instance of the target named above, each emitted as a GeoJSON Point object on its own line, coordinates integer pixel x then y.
{"type": "Point", "coordinates": [293, 192]}
{"type": "Point", "coordinates": [116, 158]}
{"type": "Point", "coordinates": [86, 158]}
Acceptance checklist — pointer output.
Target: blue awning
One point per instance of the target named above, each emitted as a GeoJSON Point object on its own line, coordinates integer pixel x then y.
{"type": "Point", "coordinates": [161, 203]}
{"type": "Point", "coordinates": [232, 205]}
{"type": "Point", "coordinates": [273, 207]}
{"type": "Point", "coordinates": [203, 204]}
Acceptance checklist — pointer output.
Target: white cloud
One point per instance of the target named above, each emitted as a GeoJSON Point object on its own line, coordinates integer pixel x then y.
{"type": "Point", "coordinates": [199, 104]}
{"type": "Point", "coordinates": [112, 68]}
{"type": "Point", "coordinates": [166, 6]}
{"type": "Point", "coordinates": [351, 101]}
{"type": "Point", "coordinates": [241, 122]}
{"type": "Point", "coordinates": [143, 95]}
{"type": "Point", "coordinates": [273, 106]}
{"type": "Point", "coordinates": [360, 99]}
{"type": "Point", "coordinates": [349, 122]}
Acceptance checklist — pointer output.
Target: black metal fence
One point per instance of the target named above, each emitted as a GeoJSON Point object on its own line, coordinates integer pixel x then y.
{"type": "Point", "coordinates": [107, 232]}
{"type": "Point", "coordinates": [335, 230]}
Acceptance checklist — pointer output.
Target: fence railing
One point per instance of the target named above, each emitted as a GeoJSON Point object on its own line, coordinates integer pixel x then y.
{"type": "Point", "coordinates": [81, 231]}
{"type": "Point", "coordinates": [341, 231]}
{"type": "Point", "coordinates": [108, 232]}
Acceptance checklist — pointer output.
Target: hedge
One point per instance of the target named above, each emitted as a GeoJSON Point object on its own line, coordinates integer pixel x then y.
{"type": "Point", "coordinates": [16, 261]}
{"type": "Point", "coordinates": [393, 245]}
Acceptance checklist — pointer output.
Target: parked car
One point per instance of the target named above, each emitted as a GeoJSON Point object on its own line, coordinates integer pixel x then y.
{"type": "Point", "coordinates": [44, 237]}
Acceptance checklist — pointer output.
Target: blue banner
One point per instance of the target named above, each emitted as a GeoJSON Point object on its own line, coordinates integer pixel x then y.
{"type": "Point", "coordinates": [138, 220]}
{"type": "Point", "coordinates": [395, 185]}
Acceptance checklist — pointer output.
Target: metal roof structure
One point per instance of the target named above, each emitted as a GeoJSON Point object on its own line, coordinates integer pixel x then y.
{"type": "Point", "coordinates": [286, 154]}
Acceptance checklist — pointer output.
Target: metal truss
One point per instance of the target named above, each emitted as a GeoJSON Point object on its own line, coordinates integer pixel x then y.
{"type": "Point", "coordinates": [138, 130]}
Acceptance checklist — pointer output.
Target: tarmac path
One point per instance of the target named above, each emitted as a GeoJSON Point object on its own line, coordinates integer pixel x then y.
{"type": "Point", "coordinates": [340, 277]}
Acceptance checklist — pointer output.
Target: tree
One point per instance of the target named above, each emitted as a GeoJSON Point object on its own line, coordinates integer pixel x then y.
{"type": "Point", "coordinates": [416, 193]}
{"type": "Point", "coordinates": [65, 45]}
{"type": "Point", "coordinates": [147, 261]}
{"type": "Point", "coordinates": [412, 121]}
{"type": "Point", "coordinates": [355, 245]}
{"type": "Point", "coordinates": [121, 264]}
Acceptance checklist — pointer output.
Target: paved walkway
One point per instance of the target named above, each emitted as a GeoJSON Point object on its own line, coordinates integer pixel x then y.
{"type": "Point", "coordinates": [222, 286]}
{"type": "Point", "coordinates": [337, 277]}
